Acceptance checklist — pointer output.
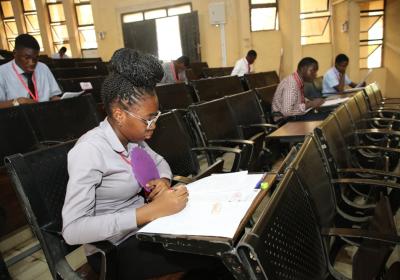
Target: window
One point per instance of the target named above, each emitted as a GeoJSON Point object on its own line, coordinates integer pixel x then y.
{"type": "Point", "coordinates": [87, 33]}
{"type": "Point", "coordinates": [167, 28]}
{"type": "Point", "coordinates": [157, 13]}
{"type": "Point", "coordinates": [371, 33]}
{"type": "Point", "coordinates": [58, 25]}
{"type": "Point", "coordinates": [263, 15]}
{"type": "Point", "coordinates": [32, 20]}
{"type": "Point", "coordinates": [314, 18]}
{"type": "Point", "coordinates": [10, 26]}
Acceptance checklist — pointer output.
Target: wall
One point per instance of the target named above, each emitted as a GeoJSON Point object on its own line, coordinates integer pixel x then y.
{"type": "Point", "coordinates": [391, 56]}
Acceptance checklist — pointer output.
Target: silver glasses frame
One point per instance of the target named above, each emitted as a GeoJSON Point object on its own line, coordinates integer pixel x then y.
{"type": "Point", "coordinates": [149, 123]}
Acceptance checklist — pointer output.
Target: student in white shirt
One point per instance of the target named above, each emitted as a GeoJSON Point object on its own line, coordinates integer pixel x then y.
{"type": "Point", "coordinates": [61, 54]}
{"type": "Point", "coordinates": [103, 200]}
{"type": "Point", "coordinates": [336, 79]}
{"type": "Point", "coordinates": [25, 80]}
{"type": "Point", "coordinates": [245, 64]}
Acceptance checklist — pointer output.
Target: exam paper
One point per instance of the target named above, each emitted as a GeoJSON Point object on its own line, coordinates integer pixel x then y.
{"type": "Point", "coordinates": [71, 94]}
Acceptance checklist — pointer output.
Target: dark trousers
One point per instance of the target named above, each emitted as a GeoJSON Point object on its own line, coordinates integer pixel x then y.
{"type": "Point", "coordinates": [310, 116]}
{"type": "Point", "coordinates": [142, 260]}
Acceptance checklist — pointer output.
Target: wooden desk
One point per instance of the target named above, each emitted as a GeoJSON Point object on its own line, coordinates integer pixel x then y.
{"type": "Point", "coordinates": [294, 131]}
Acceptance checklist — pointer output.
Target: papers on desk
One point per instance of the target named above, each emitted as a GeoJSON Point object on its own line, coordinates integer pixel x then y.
{"type": "Point", "coordinates": [334, 102]}
{"type": "Point", "coordinates": [365, 78]}
{"type": "Point", "coordinates": [71, 94]}
{"type": "Point", "coordinates": [216, 206]}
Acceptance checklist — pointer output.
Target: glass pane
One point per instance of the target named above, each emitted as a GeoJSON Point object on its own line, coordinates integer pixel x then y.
{"type": "Point", "coordinates": [29, 5]}
{"type": "Point", "coordinates": [309, 6]}
{"type": "Point", "coordinates": [39, 39]}
{"type": "Point", "coordinates": [313, 26]}
{"type": "Point", "coordinates": [84, 14]}
{"type": "Point", "coordinates": [371, 56]}
{"type": "Point", "coordinates": [11, 44]}
{"type": "Point", "coordinates": [254, 2]}
{"type": "Point", "coordinates": [81, 1]}
{"type": "Point", "coordinates": [53, 1]}
{"type": "Point", "coordinates": [263, 19]}
{"type": "Point", "coordinates": [155, 14]}
{"type": "Point", "coordinates": [168, 38]}
{"type": "Point", "coordinates": [59, 33]}
{"type": "Point", "coordinates": [132, 17]}
{"type": "Point", "coordinates": [56, 12]}
{"type": "Point", "coordinates": [324, 38]}
{"type": "Point", "coordinates": [179, 10]}
{"type": "Point", "coordinates": [57, 47]}
{"type": "Point", "coordinates": [6, 7]}
{"type": "Point", "coordinates": [32, 23]}
{"type": "Point", "coordinates": [87, 36]}
{"type": "Point", "coordinates": [372, 5]}
{"type": "Point", "coordinates": [371, 28]}
{"type": "Point", "coordinates": [11, 28]}
{"type": "Point", "coordinates": [366, 22]}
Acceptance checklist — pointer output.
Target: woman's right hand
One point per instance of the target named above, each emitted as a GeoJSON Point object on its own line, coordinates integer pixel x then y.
{"type": "Point", "coordinates": [166, 203]}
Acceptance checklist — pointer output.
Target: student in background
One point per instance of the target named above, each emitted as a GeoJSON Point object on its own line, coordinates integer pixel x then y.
{"type": "Point", "coordinates": [336, 79]}
{"type": "Point", "coordinates": [103, 199]}
{"type": "Point", "coordinates": [25, 80]}
{"type": "Point", "coordinates": [61, 54]}
{"type": "Point", "coordinates": [245, 64]}
{"type": "Point", "coordinates": [174, 71]}
{"type": "Point", "coordinates": [289, 102]}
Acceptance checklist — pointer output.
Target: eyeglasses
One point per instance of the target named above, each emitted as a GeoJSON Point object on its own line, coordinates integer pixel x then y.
{"type": "Point", "coordinates": [149, 123]}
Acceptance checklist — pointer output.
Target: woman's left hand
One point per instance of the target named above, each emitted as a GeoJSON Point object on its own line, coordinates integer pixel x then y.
{"type": "Point", "coordinates": [157, 186]}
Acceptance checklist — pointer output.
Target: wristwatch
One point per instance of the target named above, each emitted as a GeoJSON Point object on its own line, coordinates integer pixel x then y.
{"type": "Point", "coordinates": [15, 102]}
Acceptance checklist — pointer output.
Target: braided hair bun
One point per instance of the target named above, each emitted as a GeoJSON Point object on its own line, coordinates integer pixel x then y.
{"type": "Point", "coordinates": [133, 75]}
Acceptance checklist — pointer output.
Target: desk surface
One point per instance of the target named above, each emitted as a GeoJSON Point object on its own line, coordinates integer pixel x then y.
{"type": "Point", "coordinates": [295, 129]}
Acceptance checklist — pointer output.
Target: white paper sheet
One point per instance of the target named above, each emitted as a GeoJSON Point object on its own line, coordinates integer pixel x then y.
{"type": "Point", "coordinates": [216, 206]}
{"type": "Point", "coordinates": [333, 102]}
{"type": "Point", "coordinates": [71, 94]}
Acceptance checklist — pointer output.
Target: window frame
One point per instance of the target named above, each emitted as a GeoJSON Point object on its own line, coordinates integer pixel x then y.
{"type": "Point", "coordinates": [56, 23]}
{"type": "Point", "coordinates": [317, 15]}
{"type": "Point", "coordinates": [84, 25]}
{"type": "Point", "coordinates": [266, 5]}
{"type": "Point", "coordinates": [360, 42]}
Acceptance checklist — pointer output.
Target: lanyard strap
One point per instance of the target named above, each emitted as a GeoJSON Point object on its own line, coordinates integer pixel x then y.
{"type": "Point", "coordinates": [174, 74]}
{"type": "Point", "coordinates": [300, 85]}
{"type": "Point", "coordinates": [33, 95]}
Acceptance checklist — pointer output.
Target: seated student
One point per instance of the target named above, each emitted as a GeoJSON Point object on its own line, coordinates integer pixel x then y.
{"type": "Point", "coordinates": [245, 64]}
{"type": "Point", "coordinates": [174, 71]}
{"type": "Point", "coordinates": [335, 79]}
{"type": "Point", "coordinates": [60, 54]}
{"type": "Point", "coordinates": [103, 200]}
{"type": "Point", "coordinates": [289, 101]}
{"type": "Point", "coordinates": [24, 79]}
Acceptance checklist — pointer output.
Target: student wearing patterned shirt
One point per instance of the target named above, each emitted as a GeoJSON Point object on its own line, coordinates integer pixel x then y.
{"type": "Point", "coordinates": [289, 101]}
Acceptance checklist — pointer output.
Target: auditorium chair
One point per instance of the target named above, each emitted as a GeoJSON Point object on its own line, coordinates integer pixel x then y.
{"type": "Point", "coordinates": [217, 72]}
{"type": "Point", "coordinates": [288, 243]}
{"type": "Point", "coordinates": [266, 95]}
{"type": "Point", "coordinates": [261, 79]}
{"type": "Point", "coordinates": [40, 180]}
{"type": "Point", "coordinates": [62, 120]}
{"type": "Point", "coordinates": [215, 125]}
{"type": "Point", "coordinates": [74, 85]}
{"type": "Point", "coordinates": [183, 155]}
{"type": "Point", "coordinates": [213, 88]}
{"type": "Point", "coordinates": [173, 96]}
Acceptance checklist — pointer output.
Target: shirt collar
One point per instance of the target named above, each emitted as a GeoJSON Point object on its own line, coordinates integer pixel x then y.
{"type": "Point", "coordinates": [114, 141]}
{"type": "Point", "coordinates": [19, 69]}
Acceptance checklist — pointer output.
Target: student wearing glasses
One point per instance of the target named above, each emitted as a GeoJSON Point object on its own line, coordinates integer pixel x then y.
{"type": "Point", "coordinates": [103, 200]}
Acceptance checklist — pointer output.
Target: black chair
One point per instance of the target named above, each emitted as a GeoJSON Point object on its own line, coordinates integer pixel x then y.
{"type": "Point", "coordinates": [210, 89]}
{"type": "Point", "coordinates": [174, 96]}
{"type": "Point", "coordinates": [74, 85]}
{"type": "Point", "coordinates": [261, 79]}
{"type": "Point", "coordinates": [182, 156]}
{"type": "Point", "coordinates": [217, 72]}
{"type": "Point", "coordinates": [64, 119]}
{"type": "Point", "coordinates": [266, 95]}
{"type": "Point", "coordinates": [88, 71]}
{"type": "Point", "coordinates": [40, 179]}
{"type": "Point", "coordinates": [287, 242]}
{"type": "Point", "coordinates": [215, 125]}
{"type": "Point", "coordinates": [197, 70]}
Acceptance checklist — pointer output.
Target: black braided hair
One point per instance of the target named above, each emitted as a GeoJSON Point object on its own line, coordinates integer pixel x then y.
{"type": "Point", "coordinates": [133, 76]}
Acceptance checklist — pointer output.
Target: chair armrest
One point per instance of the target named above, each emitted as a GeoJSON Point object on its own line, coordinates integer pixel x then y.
{"type": "Point", "coordinates": [182, 179]}
{"type": "Point", "coordinates": [366, 182]}
{"type": "Point", "coordinates": [377, 131]}
{"type": "Point", "coordinates": [108, 259]}
{"type": "Point", "coordinates": [216, 167]}
{"type": "Point", "coordinates": [373, 147]}
{"type": "Point", "coordinates": [266, 126]}
{"type": "Point", "coordinates": [376, 119]}
{"type": "Point", "coordinates": [50, 142]}
{"type": "Point", "coordinates": [217, 149]}
{"type": "Point", "coordinates": [369, 171]}
{"type": "Point", "coordinates": [231, 141]}
{"type": "Point", "coordinates": [361, 233]}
